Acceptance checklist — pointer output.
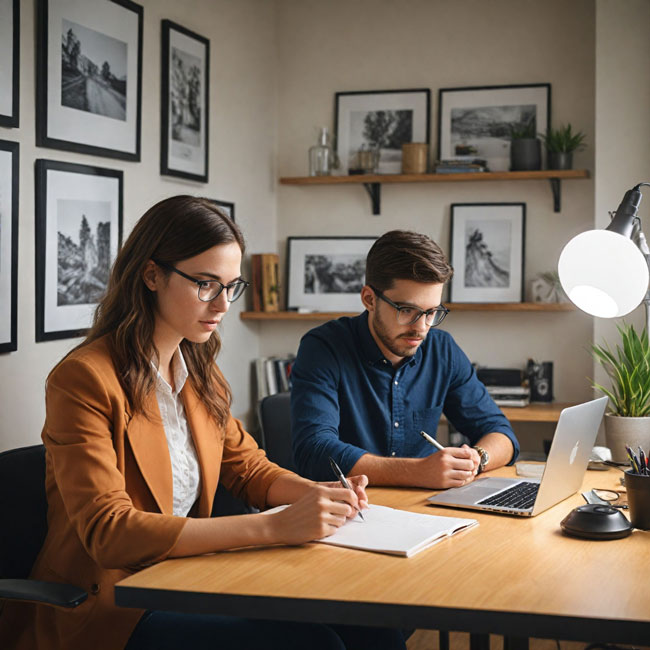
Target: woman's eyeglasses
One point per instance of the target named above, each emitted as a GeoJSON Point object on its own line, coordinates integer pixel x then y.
{"type": "Point", "coordinates": [411, 315]}
{"type": "Point", "coordinates": [210, 289]}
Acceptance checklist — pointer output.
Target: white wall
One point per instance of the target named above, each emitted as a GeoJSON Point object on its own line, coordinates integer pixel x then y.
{"type": "Point", "coordinates": [242, 151]}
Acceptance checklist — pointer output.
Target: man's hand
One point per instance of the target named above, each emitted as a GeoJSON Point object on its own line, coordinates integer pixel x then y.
{"type": "Point", "coordinates": [450, 467]}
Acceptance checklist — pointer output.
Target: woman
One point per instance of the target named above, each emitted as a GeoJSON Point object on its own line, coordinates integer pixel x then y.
{"type": "Point", "coordinates": [138, 433]}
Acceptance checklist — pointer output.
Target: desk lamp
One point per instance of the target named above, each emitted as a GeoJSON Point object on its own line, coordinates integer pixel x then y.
{"type": "Point", "coordinates": [605, 272]}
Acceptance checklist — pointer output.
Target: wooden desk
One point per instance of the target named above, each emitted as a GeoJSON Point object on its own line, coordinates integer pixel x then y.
{"type": "Point", "coordinates": [518, 577]}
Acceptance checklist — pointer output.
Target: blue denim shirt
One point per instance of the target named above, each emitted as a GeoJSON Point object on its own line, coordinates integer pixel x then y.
{"type": "Point", "coordinates": [347, 399]}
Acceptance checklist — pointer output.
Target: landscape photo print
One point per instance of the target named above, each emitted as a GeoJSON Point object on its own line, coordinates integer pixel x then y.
{"type": "Point", "coordinates": [479, 122]}
{"type": "Point", "coordinates": [487, 252]}
{"type": "Point", "coordinates": [326, 273]}
{"type": "Point", "coordinates": [184, 100]}
{"type": "Point", "coordinates": [89, 63]}
{"type": "Point", "coordinates": [380, 121]}
{"type": "Point", "coordinates": [78, 233]}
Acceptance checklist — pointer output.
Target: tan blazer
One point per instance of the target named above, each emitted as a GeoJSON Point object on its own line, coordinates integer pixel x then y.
{"type": "Point", "coordinates": [109, 490]}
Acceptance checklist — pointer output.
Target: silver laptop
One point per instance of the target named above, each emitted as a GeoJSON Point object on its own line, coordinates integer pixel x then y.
{"type": "Point", "coordinates": [574, 438]}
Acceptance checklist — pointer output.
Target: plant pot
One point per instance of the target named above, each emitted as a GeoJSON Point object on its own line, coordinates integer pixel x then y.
{"type": "Point", "coordinates": [525, 154]}
{"type": "Point", "coordinates": [560, 159]}
{"type": "Point", "coordinates": [621, 431]}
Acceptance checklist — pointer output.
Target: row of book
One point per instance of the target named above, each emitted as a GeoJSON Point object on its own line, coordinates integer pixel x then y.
{"type": "Point", "coordinates": [265, 281]}
{"type": "Point", "coordinates": [461, 165]}
{"type": "Point", "coordinates": [273, 375]}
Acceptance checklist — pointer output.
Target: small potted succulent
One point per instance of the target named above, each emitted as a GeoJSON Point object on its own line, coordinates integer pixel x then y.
{"type": "Point", "coordinates": [525, 150]}
{"type": "Point", "coordinates": [560, 144]}
{"type": "Point", "coordinates": [628, 368]}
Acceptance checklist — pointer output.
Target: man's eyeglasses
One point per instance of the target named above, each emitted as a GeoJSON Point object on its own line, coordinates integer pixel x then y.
{"type": "Point", "coordinates": [210, 289]}
{"type": "Point", "coordinates": [606, 496]}
{"type": "Point", "coordinates": [411, 315]}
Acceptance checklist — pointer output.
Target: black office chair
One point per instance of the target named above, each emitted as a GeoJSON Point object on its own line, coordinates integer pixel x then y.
{"type": "Point", "coordinates": [275, 419]}
{"type": "Point", "coordinates": [23, 525]}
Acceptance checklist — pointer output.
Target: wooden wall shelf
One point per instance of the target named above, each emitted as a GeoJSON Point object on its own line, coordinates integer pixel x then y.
{"type": "Point", "coordinates": [453, 306]}
{"type": "Point", "coordinates": [373, 182]}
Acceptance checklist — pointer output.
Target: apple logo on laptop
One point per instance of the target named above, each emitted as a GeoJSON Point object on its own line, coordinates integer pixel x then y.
{"type": "Point", "coordinates": [574, 453]}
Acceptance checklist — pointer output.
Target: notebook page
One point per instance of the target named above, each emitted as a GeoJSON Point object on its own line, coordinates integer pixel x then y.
{"type": "Point", "coordinates": [398, 532]}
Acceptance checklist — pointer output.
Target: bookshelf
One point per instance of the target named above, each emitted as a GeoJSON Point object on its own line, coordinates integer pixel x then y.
{"type": "Point", "coordinates": [373, 182]}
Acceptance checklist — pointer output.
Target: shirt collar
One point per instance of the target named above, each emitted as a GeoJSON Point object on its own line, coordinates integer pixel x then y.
{"type": "Point", "coordinates": [371, 350]}
{"type": "Point", "coordinates": [179, 371]}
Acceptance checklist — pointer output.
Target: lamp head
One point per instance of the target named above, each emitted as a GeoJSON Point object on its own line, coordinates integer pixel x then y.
{"type": "Point", "coordinates": [603, 271]}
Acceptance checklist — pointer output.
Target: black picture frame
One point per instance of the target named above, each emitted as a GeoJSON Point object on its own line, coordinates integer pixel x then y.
{"type": "Point", "coordinates": [411, 112]}
{"type": "Point", "coordinates": [184, 135]}
{"type": "Point", "coordinates": [475, 121]}
{"type": "Point", "coordinates": [74, 202]}
{"type": "Point", "coordinates": [9, 186]}
{"type": "Point", "coordinates": [227, 207]}
{"type": "Point", "coordinates": [87, 105]}
{"type": "Point", "coordinates": [487, 252]}
{"type": "Point", "coordinates": [10, 53]}
{"type": "Point", "coordinates": [307, 256]}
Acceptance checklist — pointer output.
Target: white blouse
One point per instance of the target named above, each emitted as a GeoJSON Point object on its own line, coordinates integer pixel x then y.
{"type": "Point", "coordinates": [185, 465]}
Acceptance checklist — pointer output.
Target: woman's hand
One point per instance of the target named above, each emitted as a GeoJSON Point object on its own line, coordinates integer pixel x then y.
{"type": "Point", "coordinates": [319, 512]}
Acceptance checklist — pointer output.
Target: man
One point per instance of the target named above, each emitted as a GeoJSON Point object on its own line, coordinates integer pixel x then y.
{"type": "Point", "coordinates": [364, 388]}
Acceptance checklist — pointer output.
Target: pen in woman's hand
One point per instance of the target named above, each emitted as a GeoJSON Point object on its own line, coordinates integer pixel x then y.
{"type": "Point", "coordinates": [344, 482]}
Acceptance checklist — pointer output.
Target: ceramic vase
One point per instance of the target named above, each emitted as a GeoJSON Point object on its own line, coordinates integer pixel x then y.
{"type": "Point", "coordinates": [621, 431]}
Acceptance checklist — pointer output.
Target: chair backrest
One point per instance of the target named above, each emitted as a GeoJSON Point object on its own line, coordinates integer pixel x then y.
{"type": "Point", "coordinates": [23, 509]}
{"type": "Point", "coordinates": [275, 418]}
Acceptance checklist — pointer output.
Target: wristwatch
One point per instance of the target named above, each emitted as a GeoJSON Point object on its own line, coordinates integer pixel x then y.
{"type": "Point", "coordinates": [484, 458]}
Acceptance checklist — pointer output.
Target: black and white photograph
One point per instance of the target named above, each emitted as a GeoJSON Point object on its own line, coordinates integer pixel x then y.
{"type": "Point", "coordinates": [89, 69]}
{"type": "Point", "coordinates": [380, 121]}
{"type": "Point", "coordinates": [227, 207]}
{"type": "Point", "coordinates": [479, 122]}
{"type": "Point", "coordinates": [78, 234]}
{"type": "Point", "coordinates": [9, 62]}
{"type": "Point", "coordinates": [184, 100]}
{"type": "Point", "coordinates": [9, 153]}
{"type": "Point", "coordinates": [487, 252]}
{"type": "Point", "coordinates": [326, 273]}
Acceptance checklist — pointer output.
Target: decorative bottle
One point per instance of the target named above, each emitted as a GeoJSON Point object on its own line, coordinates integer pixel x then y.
{"type": "Point", "coordinates": [321, 155]}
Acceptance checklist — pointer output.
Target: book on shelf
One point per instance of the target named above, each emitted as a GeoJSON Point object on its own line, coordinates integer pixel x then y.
{"type": "Point", "coordinates": [510, 395]}
{"type": "Point", "coordinates": [273, 375]}
{"type": "Point", "coordinates": [392, 531]}
{"type": "Point", "coordinates": [265, 281]}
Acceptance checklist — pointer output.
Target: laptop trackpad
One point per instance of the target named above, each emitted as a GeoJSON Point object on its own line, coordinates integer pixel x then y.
{"type": "Point", "coordinates": [475, 491]}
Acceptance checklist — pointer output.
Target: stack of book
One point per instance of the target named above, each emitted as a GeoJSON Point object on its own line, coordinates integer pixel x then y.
{"type": "Point", "coordinates": [460, 165]}
{"type": "Point", "coordinates": [273, 375]}
{"type": "Point", "coordinates": [265, 282]}
{"type": "Point", "coordinates": [510, 395]}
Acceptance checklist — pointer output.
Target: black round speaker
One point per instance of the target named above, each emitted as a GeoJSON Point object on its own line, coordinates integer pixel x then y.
{"type": "Point", "coordinates": [596, 521]}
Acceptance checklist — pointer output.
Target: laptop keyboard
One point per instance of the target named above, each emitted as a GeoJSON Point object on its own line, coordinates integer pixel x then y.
{"type": "Point", "coordinates": [522, 495]}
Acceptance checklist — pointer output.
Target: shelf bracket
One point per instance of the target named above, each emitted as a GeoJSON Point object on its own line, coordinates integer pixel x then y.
{"type": "Point", "coordinates": [557, 194]}
{"type": "Point", "coordinates": [374, 191]}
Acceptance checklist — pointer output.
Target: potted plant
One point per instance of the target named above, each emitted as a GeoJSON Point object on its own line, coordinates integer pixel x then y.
{"type": "Point", "coordinates": [560, 145]}
{"type": "Point", "coordinates": [525, 150]}
{"type": "Point", "coordinates": [628, 368]}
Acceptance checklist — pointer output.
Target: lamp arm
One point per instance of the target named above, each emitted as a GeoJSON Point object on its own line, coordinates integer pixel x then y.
{"type": "Point", "coordinates": [639, 239]}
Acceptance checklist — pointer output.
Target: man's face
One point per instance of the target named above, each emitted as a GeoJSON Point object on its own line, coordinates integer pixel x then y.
{"type": "Point", "coordinates": [397, 341]}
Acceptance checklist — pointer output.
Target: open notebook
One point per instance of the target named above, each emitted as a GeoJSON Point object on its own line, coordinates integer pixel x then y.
{"type": "Point", "coordinates": [398, 532]}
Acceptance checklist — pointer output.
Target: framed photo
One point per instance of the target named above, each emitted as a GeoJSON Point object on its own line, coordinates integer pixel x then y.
{"type": "Point", "coordinates": [184, 101]}
{"type": "Point", "coordinates": [89, 77]}
{"type": "Point", "coordinates": [326, 273]}
{"type": "Point", "coordinates": [9, 152]}
{"type": "Point", "coordinates": [487, 252]}
{"type": "Point", "coordinates": [381, 120]}
{"type": "Point", "coordinates": [78, 234]}
{"type": "Point", "coordinates": [476, 122]}
{"type": "Point", "coordinates": [10, 66]}
{"type": "Point", "coordinates": [226, 207]}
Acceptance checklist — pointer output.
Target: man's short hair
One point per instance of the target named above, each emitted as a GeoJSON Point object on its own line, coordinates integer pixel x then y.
{"type": "Point", "coordinates": [406, 255]}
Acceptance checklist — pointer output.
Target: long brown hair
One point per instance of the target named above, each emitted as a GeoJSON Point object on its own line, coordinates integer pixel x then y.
{"type": "Point", "coordinates": [173, 230]}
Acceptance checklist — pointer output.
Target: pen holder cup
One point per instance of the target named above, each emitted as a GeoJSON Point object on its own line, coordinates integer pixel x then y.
{"type": "Point", "coordinates": [638, 499]}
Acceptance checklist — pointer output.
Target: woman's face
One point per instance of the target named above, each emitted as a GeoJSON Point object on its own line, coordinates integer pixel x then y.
{"type": "Point", "coordinates": [179, 312]}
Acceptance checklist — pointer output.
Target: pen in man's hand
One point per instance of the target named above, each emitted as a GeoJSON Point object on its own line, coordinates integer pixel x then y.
{"type": "Point", "coordinates": [431, 440]}
{"type": "Point", "coordinates": [344, 482]}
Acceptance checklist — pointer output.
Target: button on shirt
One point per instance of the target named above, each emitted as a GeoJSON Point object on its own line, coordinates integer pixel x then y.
{"type": "Point", "coordinates": [348, 399]}
{"type": "Point", "coordinates": [185, 465]}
